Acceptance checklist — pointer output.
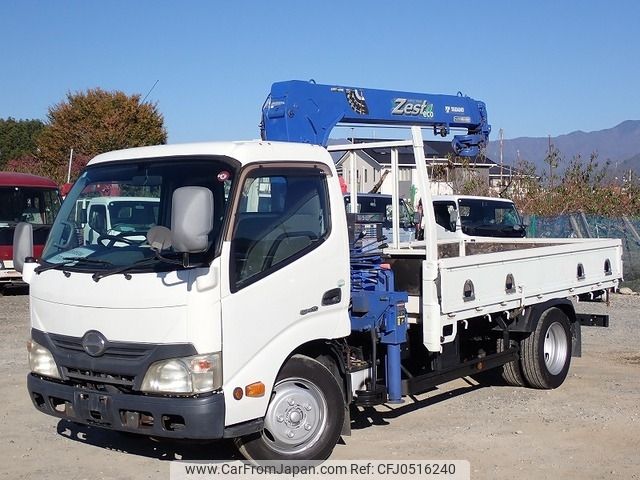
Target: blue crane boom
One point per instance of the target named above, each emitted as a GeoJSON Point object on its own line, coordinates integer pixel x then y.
{"type": "Point", "coordinates": [306, 112]}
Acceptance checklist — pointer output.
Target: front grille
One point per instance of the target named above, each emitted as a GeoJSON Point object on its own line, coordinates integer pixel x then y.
{"type": "Point", "coordinates": [98, 377]}
{"type": "Point", "coordinates": [113, 349]}
{"type": "Point", "coordinates": [120, 368]}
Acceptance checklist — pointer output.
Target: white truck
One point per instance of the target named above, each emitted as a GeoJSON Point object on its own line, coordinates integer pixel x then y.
{"type": "Point", "coordinates": [115, 215]}
{"type": "Point", "coordinates": [459, 217]}
{"type": "Point", "coordinates": [246, 313]}
{"type": "Point", "coordinates": [465, 216]}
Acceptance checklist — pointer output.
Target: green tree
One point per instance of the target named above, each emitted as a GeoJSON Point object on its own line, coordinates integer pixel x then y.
{"type": "Point", "coordinates": [93, 122]}
{"type": "Point", "coordinates": [18, 138]}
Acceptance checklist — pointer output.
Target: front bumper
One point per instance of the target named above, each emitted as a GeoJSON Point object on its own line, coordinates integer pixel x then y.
{"type": "Point", "coordinates": [9, 275]}
{"type": "Point", "coordinates": [172, 417]}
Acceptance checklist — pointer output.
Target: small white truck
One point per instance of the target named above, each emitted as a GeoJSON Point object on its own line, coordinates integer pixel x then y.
{"type": "Point", "coordinates": [459, 217]}
{"type": "Point", "coordinates": [248, 313]}
{"type": "Point", "coordinates": [466, 216]}
{"type": "Point", "coordinates": [115, 215]}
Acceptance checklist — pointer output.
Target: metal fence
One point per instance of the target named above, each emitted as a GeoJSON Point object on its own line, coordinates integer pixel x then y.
{"type": "Point", "coordinates": [595, 226]}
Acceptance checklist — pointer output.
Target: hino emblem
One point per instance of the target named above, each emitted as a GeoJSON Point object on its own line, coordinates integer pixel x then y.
{"type": "Point", "coordinates": [94, 343]}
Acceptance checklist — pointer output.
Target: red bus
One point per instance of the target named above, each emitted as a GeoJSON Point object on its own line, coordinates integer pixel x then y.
{"type": "Point", "coordinates": [24, 198]}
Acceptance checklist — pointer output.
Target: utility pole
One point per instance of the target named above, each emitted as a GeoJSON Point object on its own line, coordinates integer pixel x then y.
{"type": "Point", "coordinates": [69, 170]}
{"type": "Point", "coordinates": [550, 164]}
{"type": "Point", "coordinates": [501, 154]}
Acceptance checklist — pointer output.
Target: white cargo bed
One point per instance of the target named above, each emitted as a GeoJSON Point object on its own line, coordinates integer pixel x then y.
{"type": "Point", "coordinates": [541, 270]}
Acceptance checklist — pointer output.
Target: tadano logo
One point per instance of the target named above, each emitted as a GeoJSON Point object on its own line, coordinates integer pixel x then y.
{"type": "Point", "coordinates": [448, 109]}
{"type": "Point", "coordinates": [405, 106]}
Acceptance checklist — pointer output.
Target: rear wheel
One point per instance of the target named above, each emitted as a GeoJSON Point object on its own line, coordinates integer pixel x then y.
{"type": "Point", "coordinates": [546, 353]}
{"type": "Point", "coordinates": [511, 372]}
{"type": "Point", "coordinates": [304, 417]}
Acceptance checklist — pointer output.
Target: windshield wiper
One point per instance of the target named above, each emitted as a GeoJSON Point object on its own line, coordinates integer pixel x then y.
{"type": "Point", "coordinates": [141, 263]}
{"type": "Point", "coordinates": [71, 261]}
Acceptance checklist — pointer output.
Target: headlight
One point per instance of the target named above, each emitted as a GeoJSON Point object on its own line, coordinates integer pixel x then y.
{"type": "Point", "coordinates": [197, 374]}
{"type": "Point", "coordinates": [41, 361]}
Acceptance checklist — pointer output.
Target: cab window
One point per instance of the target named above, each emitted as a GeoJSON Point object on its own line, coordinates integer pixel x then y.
{"type": "Point", "coordinates": [282, 215]}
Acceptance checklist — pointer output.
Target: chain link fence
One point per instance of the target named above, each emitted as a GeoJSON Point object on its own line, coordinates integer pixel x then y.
{"type": "Point", "coordinates": [595, 226]}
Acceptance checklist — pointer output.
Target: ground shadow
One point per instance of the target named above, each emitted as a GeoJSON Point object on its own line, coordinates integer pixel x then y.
{"type": "Point", "coordinates": [163, 449]}
{"type": "Point", "coordinates": [14, 290]}
{"type": "Point", "coordinates": [491, 378]}
{"type": "Point", "coordinates": [364, 417]}
{"type": "Point", "coordinates": [146, 447]}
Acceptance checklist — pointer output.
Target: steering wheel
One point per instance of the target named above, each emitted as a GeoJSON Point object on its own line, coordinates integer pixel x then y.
{"type": "Point", "coordinates": [112, 239]}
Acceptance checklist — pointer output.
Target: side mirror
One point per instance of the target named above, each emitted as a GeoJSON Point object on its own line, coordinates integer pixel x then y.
{"type": "Point", "coordinates": [191, 219]}
{"type": "Point", "coordinates": [97, 220]}
{"type": "Point", "coordinates": [22, 245]}
{"type": "Point", "coordinates": [453, 219]}
{"type": "Point", "coordinates": [159, 238]}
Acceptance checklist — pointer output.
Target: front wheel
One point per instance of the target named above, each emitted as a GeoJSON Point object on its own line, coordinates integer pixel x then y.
{"type": "Point", "coordinates": [304, 417]}
{"type": "Point", "coordinates": [546, 353]}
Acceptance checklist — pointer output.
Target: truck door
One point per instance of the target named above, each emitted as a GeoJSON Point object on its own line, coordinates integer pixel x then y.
{"type": "Point", "coordinates": [283, 258]}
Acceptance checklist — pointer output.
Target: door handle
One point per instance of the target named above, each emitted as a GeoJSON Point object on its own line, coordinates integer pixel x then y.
{"type": "Point", "coordinates": [331, 297]}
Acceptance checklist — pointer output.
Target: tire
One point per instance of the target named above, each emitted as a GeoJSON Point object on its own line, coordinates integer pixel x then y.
{"type": "Point", "coordinates": [511, 372]}
{"type": "Point", "coordinates": [546, 353]}
{"type": "Point", "coordinates": [304, 417]}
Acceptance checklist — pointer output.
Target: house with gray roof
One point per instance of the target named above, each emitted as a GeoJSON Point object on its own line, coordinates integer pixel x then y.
{"type": "Point", "coordinates": [444, 168]}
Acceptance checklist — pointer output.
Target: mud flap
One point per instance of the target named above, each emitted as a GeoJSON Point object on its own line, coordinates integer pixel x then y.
{"type": "Point", "coordinates": [346, 426]}
{"type": "Point", "coordinates": [576, 339]}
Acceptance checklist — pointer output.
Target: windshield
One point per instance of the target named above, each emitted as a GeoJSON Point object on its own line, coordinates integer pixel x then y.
{"type": "Point", "coordinates": [38, 206]}
{"type": "Point", "coordinates": [105, 218]}
{"type": "Point", "coordinates": [492, 218]}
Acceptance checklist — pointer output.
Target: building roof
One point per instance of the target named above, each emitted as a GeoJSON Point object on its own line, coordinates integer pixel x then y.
{"type": "Point", "coordinates": [13, 179]}
{"type": "Point", "coordinates": [434, 151]}
{"type": "Point", "coordinates": [507, 171]}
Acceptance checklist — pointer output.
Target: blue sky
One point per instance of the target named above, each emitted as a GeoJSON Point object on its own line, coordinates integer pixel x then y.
{"type": "Point", "coordinates": [543, 67]}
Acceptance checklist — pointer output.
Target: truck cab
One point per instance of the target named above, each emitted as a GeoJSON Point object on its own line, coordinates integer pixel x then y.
{"type": "Point", "coordinates": [24, 198]}
{"type": "Point", "coordinates": [463, 216]}
{"type": "Point", "coordinates": [130, 313]}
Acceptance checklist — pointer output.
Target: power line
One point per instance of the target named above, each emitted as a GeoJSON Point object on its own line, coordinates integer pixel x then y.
{"type": "Point", "coordinates": [150, 90]}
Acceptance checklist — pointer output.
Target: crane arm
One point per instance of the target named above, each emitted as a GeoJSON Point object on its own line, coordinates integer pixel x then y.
{"type": "Point", "coordinates": [306, 112]}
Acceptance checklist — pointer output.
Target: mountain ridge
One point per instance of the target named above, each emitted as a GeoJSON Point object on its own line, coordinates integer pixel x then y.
{"type": "Point", "coordinates": [619, 144]}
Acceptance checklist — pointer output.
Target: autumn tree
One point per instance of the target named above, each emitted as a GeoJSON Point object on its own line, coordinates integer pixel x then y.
{"type": "Point", "coordinates": [94, 122]}
{"type": "Point", "coordinates": [26, 164]}
{"type": "Point", "coordinates": [585, 186]}
{"type": "Point", "coordinates": [18, 139]}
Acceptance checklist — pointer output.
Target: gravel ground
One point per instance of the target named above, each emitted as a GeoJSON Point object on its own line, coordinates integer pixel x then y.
{"type": "Point", "coordinates": [589, 428]}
